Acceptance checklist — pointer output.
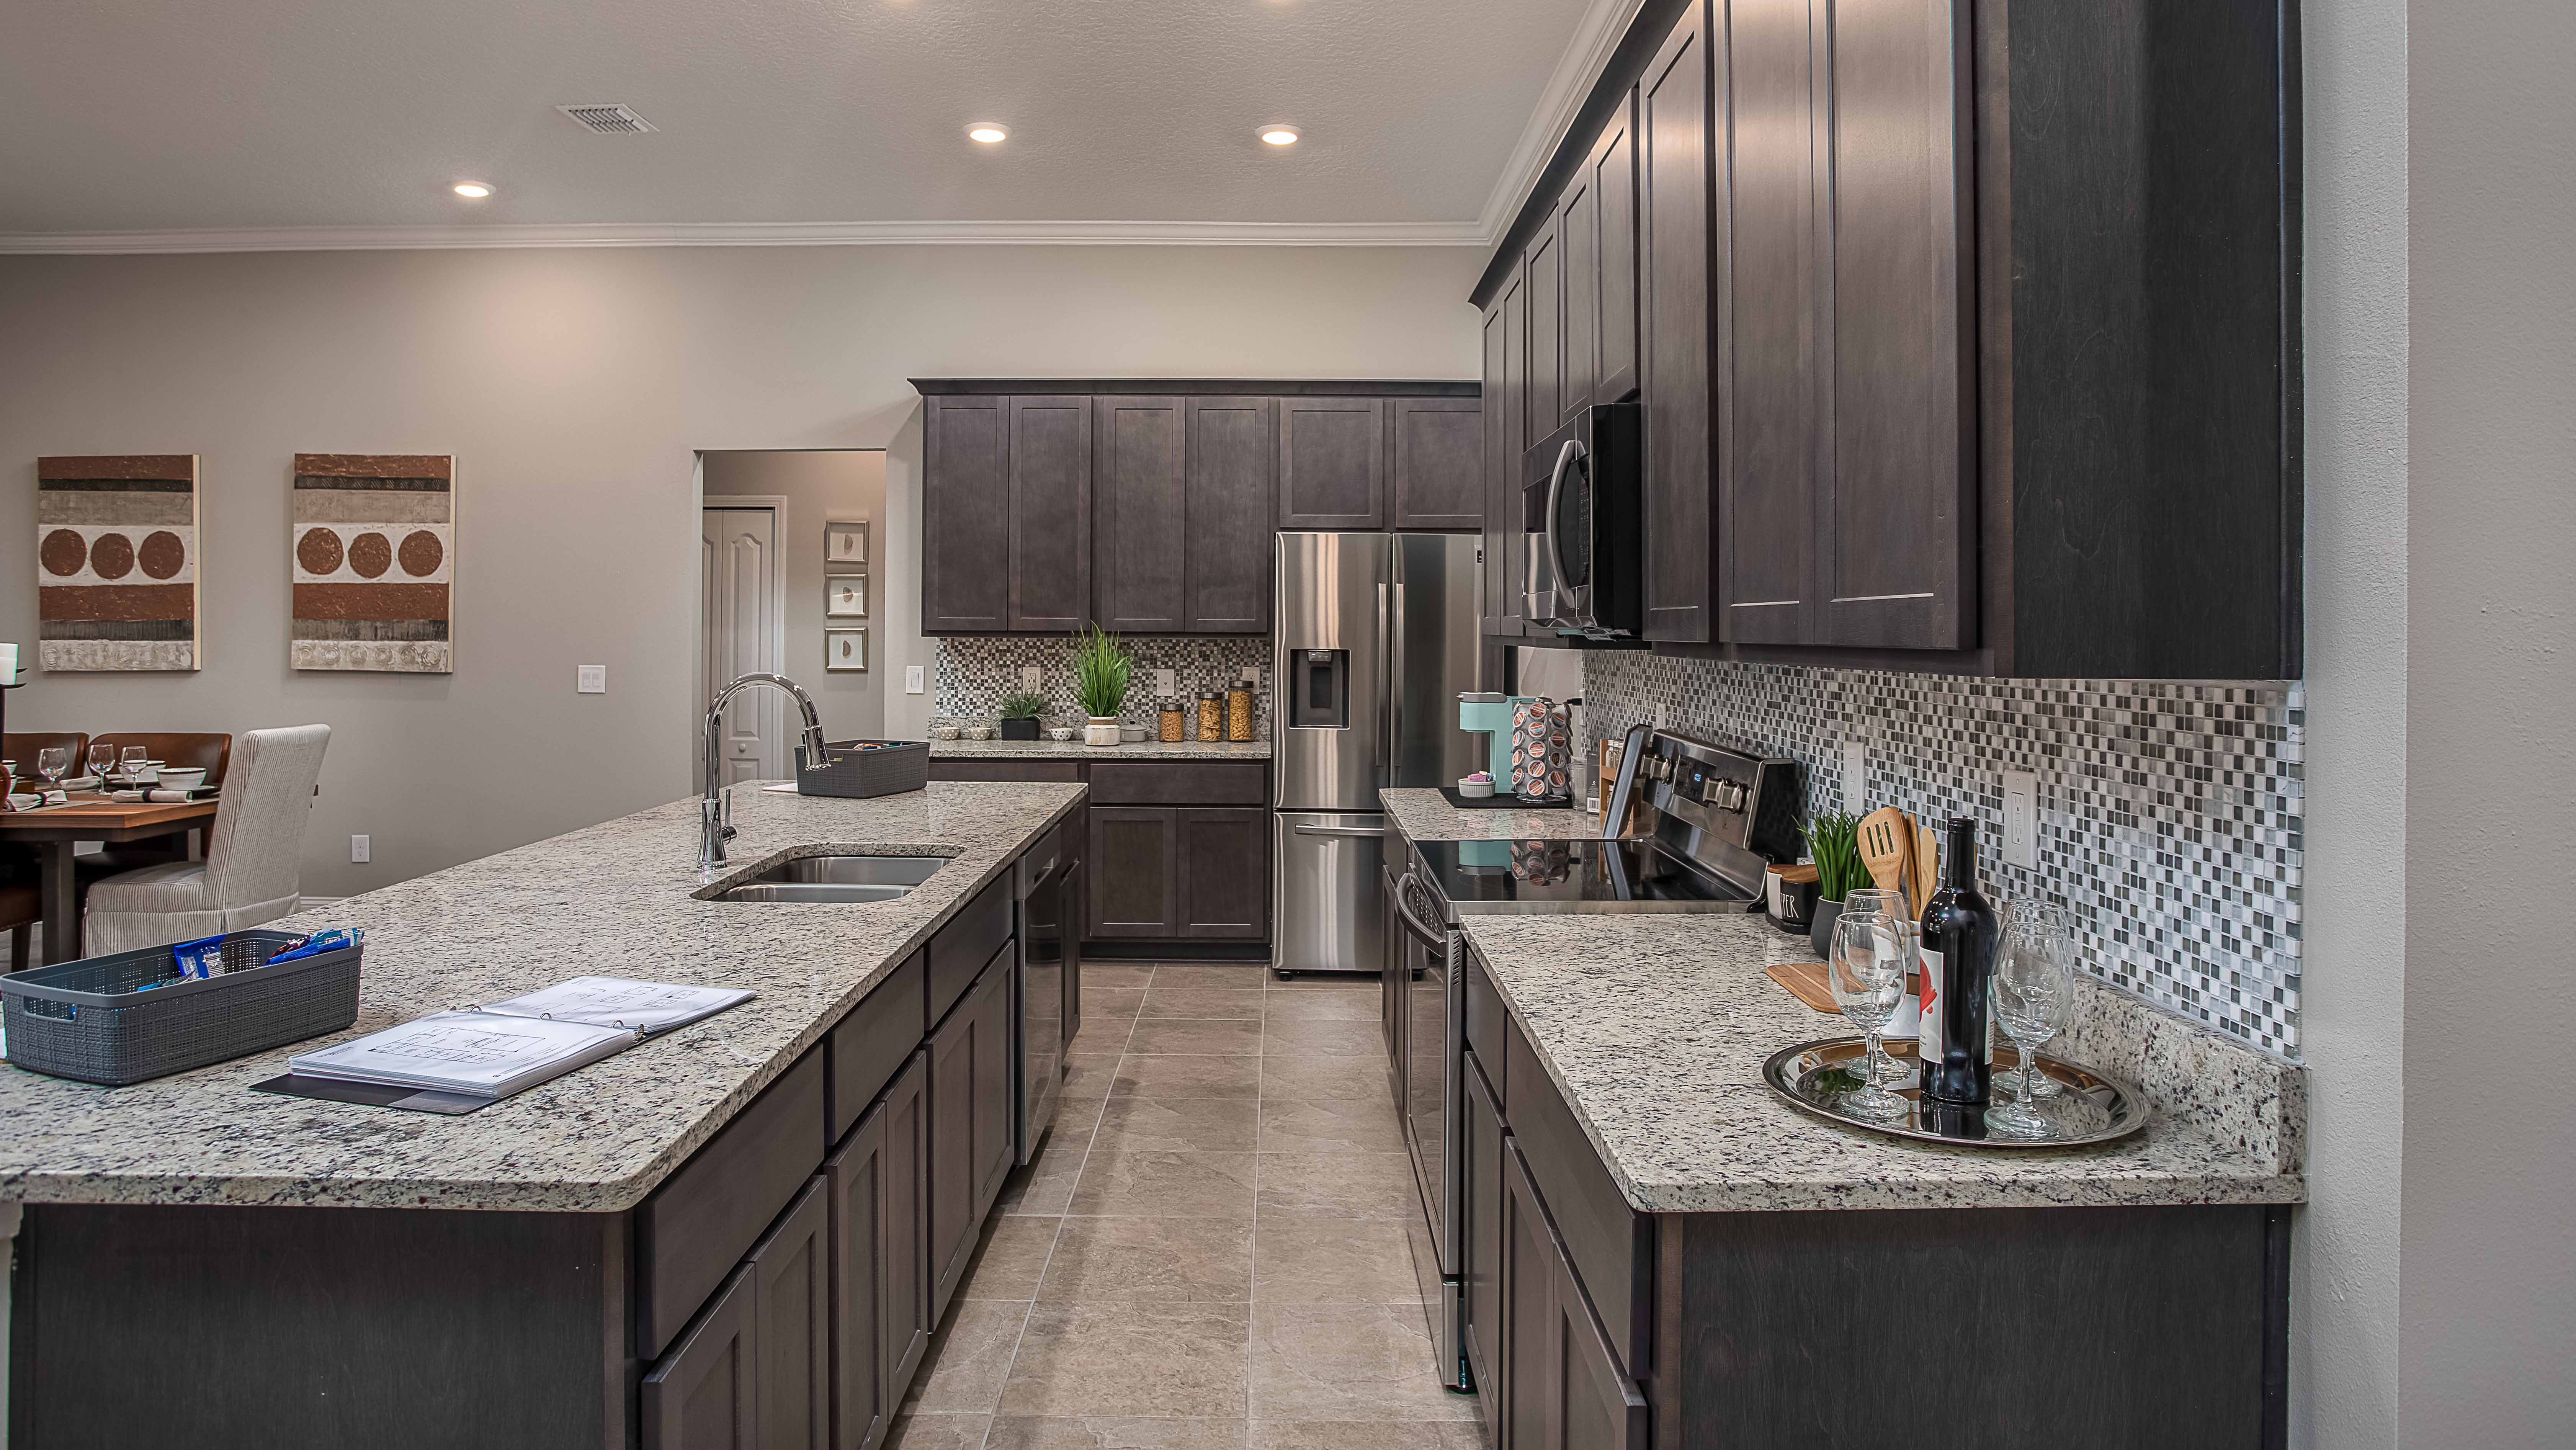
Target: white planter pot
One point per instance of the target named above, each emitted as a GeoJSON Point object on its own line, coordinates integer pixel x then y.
{"type": "Point", "coordinates": [1100, 730]}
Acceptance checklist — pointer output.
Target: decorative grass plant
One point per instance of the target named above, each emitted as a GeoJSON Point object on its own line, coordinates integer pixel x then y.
{"type": "Point", "coordinates": [1100, 668]}
{"type": "Point", "coordinates": [1023, 705]}
{"type": "Point", "coordinates": [1833, 838]}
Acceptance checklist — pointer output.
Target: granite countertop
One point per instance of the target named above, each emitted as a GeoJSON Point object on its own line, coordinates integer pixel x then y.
{"type": "Point", "coordinates": [617, 899]}
{"type": "Point", "coordinates": [1655, 1028]}
{"type": "Point", "coordinates": [1076, 750]}
{"type": "Point", "coordinates": [1426, 815]}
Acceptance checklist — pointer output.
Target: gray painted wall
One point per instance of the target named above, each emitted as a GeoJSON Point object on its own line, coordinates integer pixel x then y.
{"type": "Point", "coordinates": [575, 388]}
{"type": "Point", "coordinates": [819, 485]}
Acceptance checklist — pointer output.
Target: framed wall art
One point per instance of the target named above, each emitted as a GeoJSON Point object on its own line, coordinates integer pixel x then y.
{"type": "Point", "coordinates": [845, 650]}
{"type": "Point", "coordinates": [374, 560]}
{"type": "Point", "coordinates": [116, 562]}
{"type": "Point", "coordinates": [845, 541]}
{"type": "Point", "coordinates": [845, 596]}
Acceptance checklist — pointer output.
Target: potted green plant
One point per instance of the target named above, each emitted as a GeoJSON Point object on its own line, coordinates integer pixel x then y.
{"type": "Point", "coordinates": [1100, 666]}
{"type": "Point", "coordinates": [1833, 839]}
{"type": "Point", "coordinates": [1020, 712]}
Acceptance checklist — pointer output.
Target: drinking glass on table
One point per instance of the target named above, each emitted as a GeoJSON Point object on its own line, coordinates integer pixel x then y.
{"type": "Point", "coordinates": [102, 759]}
{"type": "Point", "coordinates": [131, 763]}
{"type": "Point", "coordinates": [2033, 995]}
{"type": "Point", "coordinates": [1872, 953]}
{"type": "Point", "coordinates": [52, 762]}
{"type": "Point", "coordinates": [1864, 900]}
{"type": "Point", "coordinates": [2052, 927]}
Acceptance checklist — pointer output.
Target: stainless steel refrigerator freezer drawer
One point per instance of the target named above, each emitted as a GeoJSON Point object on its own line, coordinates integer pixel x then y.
{"type": "Point", "coordinates": [1331, 901]}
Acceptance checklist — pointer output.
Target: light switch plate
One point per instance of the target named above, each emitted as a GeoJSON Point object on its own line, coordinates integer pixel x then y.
{"type": "Point", "coordinates": [1031, 677]}
{"type": "Point", "coordinates": [912, 679]}
{"type": "Point", "coordinates": [360, 849]}
{"type": "Point", "coordinates": [1855, 776]}
{"type": "Point", "coordinates": [2021, 819]}
{"type": "Point", "coordinates": [590, 679]}
{"type": "Point", "coordinates": [1167, 683]}
{"type": "Point", "coordinates": [1252, 674]}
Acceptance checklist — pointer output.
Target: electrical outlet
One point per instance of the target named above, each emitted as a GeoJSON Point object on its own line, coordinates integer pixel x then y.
{"type": "Point", "coordinates": [1252, 674]}
{"type": "Point", "coordinates": [1032, 677]}
{"type": "Point", "coordinates": [1167, 683]}
{"type": "Point", "coordinates": [361, 849]}
{"type": "Point", "coordinates": [1663, 715]}
{"type": "Point", "coordinates": [912, 679]}
{"type": "Point", "coordinates": [1855, 776]}
{"type": "Point", "coordinates": [2021, 819]}
{"type": "Point", "coordinates": [590, 679]}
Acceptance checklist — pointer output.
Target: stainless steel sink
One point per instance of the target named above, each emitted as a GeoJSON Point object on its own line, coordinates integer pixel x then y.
{"type": "Point", "coordinates": [837, 879]}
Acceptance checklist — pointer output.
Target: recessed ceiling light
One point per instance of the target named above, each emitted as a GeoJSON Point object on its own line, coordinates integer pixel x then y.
{"type": "Point", "coordinates": [1279, 135]}
{"type": "Point", "coordinates": [988, 132]}
{"type": "Point", "coordinates": [473, 190]}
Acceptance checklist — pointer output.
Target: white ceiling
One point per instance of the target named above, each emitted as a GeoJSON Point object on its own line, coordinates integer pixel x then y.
{"type": "Point", "coordinates": [301, 122]}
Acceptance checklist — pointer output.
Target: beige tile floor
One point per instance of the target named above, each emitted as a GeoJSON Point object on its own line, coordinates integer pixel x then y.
{"type": "Point", "coordinates": [1211, 1252]}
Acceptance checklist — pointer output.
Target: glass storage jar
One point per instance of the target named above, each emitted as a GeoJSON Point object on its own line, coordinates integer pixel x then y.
{"type": "Point", "coordinates": [1172, 723]}
{"type": "Point", "coordinates": [1238, 713]}
{"type": "Point", "coordinates": [1211, 716]}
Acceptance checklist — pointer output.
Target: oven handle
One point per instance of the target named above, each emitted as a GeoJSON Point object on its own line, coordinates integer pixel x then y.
{"type": "Point", "coordinates": [1565, 458]}
{"type": "Point", "coordinates": [1437, 941]}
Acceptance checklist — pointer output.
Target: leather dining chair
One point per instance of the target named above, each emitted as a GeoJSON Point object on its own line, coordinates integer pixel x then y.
{"type": "Point", "coordinates": [211, 753]}
{"type": "Point", "coordinates": [254, 855]}
{"type": "Point", "coordinates": [20, 747]}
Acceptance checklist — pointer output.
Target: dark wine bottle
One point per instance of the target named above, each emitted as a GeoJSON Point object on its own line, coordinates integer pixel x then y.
{"type": "Point", "coordinates": [1960, 938]}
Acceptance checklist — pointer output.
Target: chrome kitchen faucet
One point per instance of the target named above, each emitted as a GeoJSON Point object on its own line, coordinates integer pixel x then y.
{"type": "Point", "coordinates": [715, 809]}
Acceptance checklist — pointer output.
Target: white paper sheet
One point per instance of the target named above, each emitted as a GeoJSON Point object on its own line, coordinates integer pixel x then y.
{"type": "Point", "coordinates": [619, 1002]}
{"type": "Point", "coordinates": [466, 1052]}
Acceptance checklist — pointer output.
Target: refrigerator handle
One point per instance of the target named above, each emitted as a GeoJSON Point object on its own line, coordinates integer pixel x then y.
{"type": "Point", "coordinates": [1395, 675]}
{"type": "Point", "coordinates": [1385, 690]}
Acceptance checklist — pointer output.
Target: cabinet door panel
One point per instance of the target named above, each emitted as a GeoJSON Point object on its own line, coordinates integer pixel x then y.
{"type": "Point", "coordinates": [1674, 368]}
{"type": "Point", "coordinates": [1501, 611]}
{"type": "Point", "coordinates": [967, 1057]}
{"type": "Point", "coordinates": [993, 1113]}
{"type": "Point", "coordinates": [1332, 463]}
{"type": "Point", "coordinates": [904, 1218]}
{"type": "Point", "coordinates": [1528, 1382]}
{"type": "Point", "coordinates": [966, 514]}
{"type": "Point", "coordinates": [1137, 484]}
{"type": "Point", "coordinates": [1564, 1389]}
{"type": "Point", "coordinates": [1224, 861]}
{"type": "Point", "coordinates": [1543, 267]}
{"type": "Point", "coordinates": [1481, 1214]}
{"type": "Point", "coordinates": [1230, 456]}
{"type": "Point", "coordinates": [1896, 528]}
{"type": "Point", "coordinates": [1439, 463]}
{"type": "Point", "coordinates": [704, 1394]}
{"type": "Point", "coordinates": [1578, 244]}
{"type": "Point", "coordinates": [1050, 554]}
{"type": "Point", "coordinates": [791, 1286]}
{"type": "Point", "coordinates": [1613, 169]}
{"type": "Point", "coordinates": [855, 1191]}
{"type": "Point", "coordinates": [1134, 866]}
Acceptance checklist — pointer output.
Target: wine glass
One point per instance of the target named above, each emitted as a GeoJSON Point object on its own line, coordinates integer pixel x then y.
{"type": "Point", "coordinates": [131, 763]}
{"type": "Point", "coordinates": [2051, 923]}
{"type": "Point", "coordinates": [51, 762]}
{"type": "Point", "coordinates": [1865, 900]}
{"type": "Point", "coordinates": [1872, 953]}
{"type": "Point", "coordinates": [2033, 994]}
{"type": "Point", "coordinates": [102, 759]}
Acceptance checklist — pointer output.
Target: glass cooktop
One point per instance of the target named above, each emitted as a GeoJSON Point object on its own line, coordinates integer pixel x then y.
{"type": "Point", "coordinates": [1576, 875]}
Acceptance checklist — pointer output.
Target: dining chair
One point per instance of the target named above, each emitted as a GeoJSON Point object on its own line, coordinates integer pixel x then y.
{"type": "Point", "coordinates": [21, 746]}
{"type": "Point", "coordinates": [211, 753]}
{"type": "Point", "coordinates": [253, 861]}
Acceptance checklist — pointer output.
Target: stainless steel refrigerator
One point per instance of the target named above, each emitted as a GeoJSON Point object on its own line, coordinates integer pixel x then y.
{"type": "Point", "coordinates": [1376, 640]}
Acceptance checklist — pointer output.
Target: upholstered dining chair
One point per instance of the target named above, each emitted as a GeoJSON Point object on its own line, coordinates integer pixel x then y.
{"type": "Point", "coordinates": [253, 854]}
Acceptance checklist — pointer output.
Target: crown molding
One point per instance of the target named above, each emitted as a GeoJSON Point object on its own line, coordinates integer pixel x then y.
{"type": "Point", "coordinates": [1596, 38]}
{"type": "Point", "coordinates": [756, 234]}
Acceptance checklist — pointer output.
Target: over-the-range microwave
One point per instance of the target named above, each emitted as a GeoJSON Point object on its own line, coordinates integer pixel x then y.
{"type": "Point", "coordinates": [1583, 558]}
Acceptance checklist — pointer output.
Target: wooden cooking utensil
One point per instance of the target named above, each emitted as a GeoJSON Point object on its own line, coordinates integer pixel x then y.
{"type": "Point", "coordinates": [1926, 871]}
{"type": "Point", "coordinates": [1886, 840]}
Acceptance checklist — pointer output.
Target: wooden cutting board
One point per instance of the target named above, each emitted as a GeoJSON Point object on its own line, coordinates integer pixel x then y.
{"type": "Point", "coordinates": [1806, 981]}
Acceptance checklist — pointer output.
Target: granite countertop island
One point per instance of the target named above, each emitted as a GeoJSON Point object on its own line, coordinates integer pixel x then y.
{"type": "Point", "coordinates": [1426, 815]}
{"type": "Point", "coordinates": [1655, 1029]}
{"type": "Point", "coordinates": [617, 899]}
{"type": "Point", "coordinates": [1075, 750]}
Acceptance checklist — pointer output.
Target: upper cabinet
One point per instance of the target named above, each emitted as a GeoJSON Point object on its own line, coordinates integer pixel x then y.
{"type": "Point", "coordinates": [1332, 463]}
{"type": "Point", "coordinates": [1965, 336]}
{"type": "Point", "coordinates": [1149, 507]}
{"type": "Point", "coordinates": [1506, 332]}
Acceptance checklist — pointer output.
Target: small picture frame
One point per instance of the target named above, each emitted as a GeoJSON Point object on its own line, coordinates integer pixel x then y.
{"type": "Point", "coordinates": [845, 596]}
{"type": "Point", "coordinates": [845, 541]}
{"type": "Point", "coordinates": [845, 651]}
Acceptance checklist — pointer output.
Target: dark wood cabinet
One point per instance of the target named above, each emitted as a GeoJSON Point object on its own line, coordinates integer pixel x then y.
{"type": "Point", "coordinates": [970, 1124]}
{"type": "Point", "coordinates": [1480, 1193]}
{"type": "Point", "coordinates": [1050, 526]}
{"type": "Point", "coordinates": [1563, 1388]}
{"type": "Point", "coordinates": [995, 1108]}
{"type": "Point", "coordinates": [1141, 520]}
{"type": "Point", "coordinates": [1578, 248]}
{"type": "Point", "coordinates": [1438, 467]}
{"type": "Point", "coordinates": [1506, 345]}
{"type": "Point", "coordinates": [791, 1306]}
{"type": "Point", "coordinates": [1675, 376]}
{"type": "Point", "coordinates": [1332, 463]}
{"type": "Point", "coordinates": [855, 1192]}
{"type": "Point", "coordinates": [1135, 872]}
{"type": "Point", "coordinates": [965, 514]}
{"type": "Point", "coordinates": [1224, 871]}
{"type": "Point", "coordinates": [1226, 554]}
{"type": "Point", "coordinates": [1611, 168]}
{"type": "Point", "coordinates": [704, 1394]}
{"type": "Point", "coordinates": [904, 1214]}
{"type": "Point", "coordinates": [1543, 274]}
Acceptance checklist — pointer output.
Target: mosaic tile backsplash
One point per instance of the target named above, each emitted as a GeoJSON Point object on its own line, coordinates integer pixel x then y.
{"type": "Point", "coordinates": [976, 671]}
{"type": "Point", "coordinates": [2168, 813]}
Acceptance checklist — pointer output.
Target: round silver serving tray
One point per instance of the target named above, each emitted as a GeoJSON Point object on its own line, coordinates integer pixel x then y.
{"type": "Point", "coordinates": [1817, 1076]}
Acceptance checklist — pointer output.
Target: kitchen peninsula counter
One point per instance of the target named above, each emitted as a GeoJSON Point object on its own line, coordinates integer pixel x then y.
{"type": "Point", "coordinates": [618, 899]}
{"type": "Point", "coordinates": [1178, 750]}
{"type": "Point", "coordinates": [1426, 815]}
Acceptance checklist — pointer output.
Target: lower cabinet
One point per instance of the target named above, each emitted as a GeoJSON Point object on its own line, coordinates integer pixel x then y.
{"type": "Point", "coordinates": [1481, 1223]}
{"type": "Point", "coordinates": [791, 1310]}
{"type": "Point", "coordinates": [970, 1123]}
{"type": "Point", "coordinates": [880, 1310]}
{"type": "Point", "coordinates": [703, 1394]}
{"type": "Point", "coordinates": [1135, 870]}
{"type": "Point", "coordinates": [1561, 1387]}
{"type": "Point", "coordinates": [1224, 871]}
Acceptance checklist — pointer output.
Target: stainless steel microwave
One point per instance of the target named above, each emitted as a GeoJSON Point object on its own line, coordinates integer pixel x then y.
{"type": "Point", "coordinates": [1583, 558]}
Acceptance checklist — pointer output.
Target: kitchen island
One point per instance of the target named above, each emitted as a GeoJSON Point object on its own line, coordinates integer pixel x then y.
{"type": "Point", "coordinates": [594, 1259]}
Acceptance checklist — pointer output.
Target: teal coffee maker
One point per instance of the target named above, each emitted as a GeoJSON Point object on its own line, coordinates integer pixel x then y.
{"type": "Point", "coordinates": [1488, 714]}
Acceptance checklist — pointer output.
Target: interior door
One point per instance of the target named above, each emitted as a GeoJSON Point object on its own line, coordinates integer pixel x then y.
{"type": "Point", "coordinates": [743, 632]}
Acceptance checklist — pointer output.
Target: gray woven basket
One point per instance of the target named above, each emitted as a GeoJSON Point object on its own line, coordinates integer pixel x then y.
{"type": "Point", "coordinates": [893, 767]}
{"type": "Point", "coordinates": [84, 1020]}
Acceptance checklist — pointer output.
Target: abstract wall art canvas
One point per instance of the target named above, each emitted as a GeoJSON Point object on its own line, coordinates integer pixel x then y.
{"type": "Point", "coordinates": [374, 554]}
{"type": "Point", "coordinates": [116, 562]}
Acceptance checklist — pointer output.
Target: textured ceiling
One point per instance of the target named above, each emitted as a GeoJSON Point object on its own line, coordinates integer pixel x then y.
{"type": "Point", "coordinates": [263, 114]}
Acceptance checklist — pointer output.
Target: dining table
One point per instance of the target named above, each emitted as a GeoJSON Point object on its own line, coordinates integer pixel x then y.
{"type": "Point", "coordinates": [88, 816]}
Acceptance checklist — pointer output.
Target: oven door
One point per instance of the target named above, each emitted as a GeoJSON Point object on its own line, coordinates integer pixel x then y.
{"type": "Point", "coordinates": [1431, 1048]}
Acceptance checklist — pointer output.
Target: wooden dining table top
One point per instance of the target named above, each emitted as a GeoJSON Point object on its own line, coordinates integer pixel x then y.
{"type": "Point", "coordinates": [97, 812]}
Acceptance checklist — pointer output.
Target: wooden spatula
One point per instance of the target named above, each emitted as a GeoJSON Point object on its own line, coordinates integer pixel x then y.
{"type": "Point", "coordinates": [1886, 840]}
{"type": "Point", "coordinates": [1926, 870]}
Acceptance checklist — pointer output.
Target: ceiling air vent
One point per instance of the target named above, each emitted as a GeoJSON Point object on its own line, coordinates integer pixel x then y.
{"type": "Point", "coordinates": [608, 120]}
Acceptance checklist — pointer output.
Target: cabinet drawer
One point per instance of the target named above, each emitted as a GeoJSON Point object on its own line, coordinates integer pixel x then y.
{"type": "Point", "coordinates": [1226, 783]}
{"type": "Point", "coordinates": [1610, 1244]}
{"type": "Point", "coordinates": [965, 944]}
{"type": "Point", "coordinates": [1056, 770]}
{"type": "Point", "coordinates": [699, 1224]}
{"type": "Point", "coordinates": [1488, 1023]}
{"type": "Point", "coordinates": [870, 1045]}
